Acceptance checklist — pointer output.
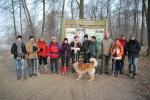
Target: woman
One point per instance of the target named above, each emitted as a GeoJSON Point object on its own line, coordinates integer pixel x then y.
{"type": "Point", "coordinates": [54, 54]}
{"type": "Point", "coordinates": [117, 52]}
{"type": "Point", "coordinates": [42, 54]}
{"type": "Point", "coordinates": [75, 50]}
{"type": "Point", "coordinates": [65, 56]}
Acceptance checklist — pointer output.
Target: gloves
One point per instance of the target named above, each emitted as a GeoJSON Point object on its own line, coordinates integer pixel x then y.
{"type": "Point", "coordinates": [41, 49]}
{"type": "Point", "coordinates": [35, 48]}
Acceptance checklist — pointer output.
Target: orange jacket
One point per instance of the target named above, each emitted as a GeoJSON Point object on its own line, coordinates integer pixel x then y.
{"type": "Point", "coordinates": [117, 50]}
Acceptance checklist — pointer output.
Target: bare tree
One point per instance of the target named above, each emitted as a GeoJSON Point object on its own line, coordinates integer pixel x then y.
{"type": "Point", "coordinates": [28, 16]}
{"type": "Point", "coordinates": [143, 22]}
{"type": "Point", "coordinates": [20, 17]}
{"type": "Point", "coordinates": [81, 8]}
{"type": "Point", "coordinates": [14, 18]}
{"type": "Point", "coordinates": [148, 28]}
{"type": "Point", "coordinates": [62, 22]}
{"type": "Point", "coordinates": [43, 24]}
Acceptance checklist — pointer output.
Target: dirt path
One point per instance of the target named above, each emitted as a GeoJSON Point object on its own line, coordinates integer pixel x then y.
{"type": "Point", "coordinates": [57, 87]}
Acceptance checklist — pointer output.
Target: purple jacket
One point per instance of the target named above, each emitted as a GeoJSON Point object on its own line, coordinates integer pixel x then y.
{"type": "Point", "coordinates": [65, 48]}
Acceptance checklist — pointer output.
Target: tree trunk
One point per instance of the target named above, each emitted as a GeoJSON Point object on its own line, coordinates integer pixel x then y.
{"type": "Point", "coordinates": [28, 17]}
{"type": "Point", "coordinates": [143, 23]}
{"type": "Point", "coordinates": [148, 28]}
{"type": "Point", "coordinates": [72, 15]}
{"type": "Point", "coordinates": [134, 25]}
{"type": "Point", "coordinates": [43, 24]}
{"type": "Point", "coordinates": [20, 17]}
{"type": "Point", "coordinates": [119, 20]}
{"type": "Point", "coordinates": [81, 9]}
{"type": "Point", "coordinates": [62, 22]}
{"type": "Point", "coordinates": [108, 8]}
{"type": "Point", "coordinates": [14, 19]}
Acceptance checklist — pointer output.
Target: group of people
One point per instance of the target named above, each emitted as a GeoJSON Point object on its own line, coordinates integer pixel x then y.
{"type": "Point", "coordinates": [38, 54]}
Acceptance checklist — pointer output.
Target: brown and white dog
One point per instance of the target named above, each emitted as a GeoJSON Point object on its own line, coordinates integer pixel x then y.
{"type": "Point", "coordinates": [82, 68]}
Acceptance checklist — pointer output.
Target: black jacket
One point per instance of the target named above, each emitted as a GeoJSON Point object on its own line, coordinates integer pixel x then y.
{"type": "Point", "coordinates": [14, 50]}
{"type": "Point", "coordinates": [85, 45]}
{"type": "Point", "coordinates": [72, 44]}
{"type": "Point", "coordinates": [133, 48]}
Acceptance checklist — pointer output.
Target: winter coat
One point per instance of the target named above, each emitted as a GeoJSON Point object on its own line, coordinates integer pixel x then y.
{"type": "Point", "coordinates": [31, 50]}
{"type": "Point", "coordinates": [54, 50]}
{"type": "Point", "coordinates": [65, 48]}
{"type": "Point", "coordinates": [78, 45]}
{"type": "Point", "coordinates": [85, 45]}
{"type": "Point", "coordinates": [15, 52]}
{"type": "Point", "coordinates": [94, 49]}
{"type": "Point", "coordinates": [106, 46]}
{"type": "Point", "coordinates": [133, 48]}
{"type": "Point", "coordinates": [117, 51]}
{"type": "Point", "coordinates": [43, 49]}
{"type": "Point", "coordinates": [123, 43]}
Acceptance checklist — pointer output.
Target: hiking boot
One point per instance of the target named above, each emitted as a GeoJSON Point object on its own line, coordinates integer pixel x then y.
{"type": "Point", "coordinates": [134, 77]}
{"type": "Point", "coordinates": [25, 77]}
{"type": "Point", "coordinates": [18, 78]}
{"type": "Point", "coordinates": [30, 75]}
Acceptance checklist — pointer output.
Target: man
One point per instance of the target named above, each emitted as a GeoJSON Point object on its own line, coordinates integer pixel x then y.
{"type": "Point", "coordinates": [18, 50]}
{"type": "Point", "coordinates": [93, 49]}
{"type": "Point", "coordinates": [133, 49]}
{"type": "Point", "coordinates": [123, 42]}
{"type": "Point", "coordinates": [107, 43]}
{"type": "Point", "coordinates": [32, 49]}
{"type": "Point", "coordinates": [84, 49]}
{"type": "Point", "coordinates": [54, 54]}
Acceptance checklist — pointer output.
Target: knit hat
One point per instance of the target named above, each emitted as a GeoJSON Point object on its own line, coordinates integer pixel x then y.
{"type": "Point", "coordinates": [76, 36]}
{"type": "Point", "coordinates": [31, 37]}
{"type": "Point", "coordinates": [93, 37]}
{"type": "Point", "coordinates": [19, 36]}
{"type": "Point", "coordinates": [85, 36]}
{"type": "Point", "coordinates": [65, 39]}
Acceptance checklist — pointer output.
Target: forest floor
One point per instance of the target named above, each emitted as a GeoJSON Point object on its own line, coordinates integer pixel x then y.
{"type": "Point", "coordinates": [57, 87]}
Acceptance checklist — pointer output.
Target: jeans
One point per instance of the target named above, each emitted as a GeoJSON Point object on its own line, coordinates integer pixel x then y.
{"type": "Point", "coordinates": [105, 64]}
{"type": "Point", "coordinates": [32, 66]}
{"type": "Point", "coordinates": [20, 68]}
{"type": "Point", "coordinates": [133, 65]}
{"type": "Point", "coordinates": [117, 64]}
{"type": "Point", "coordinates": [86, 57]}
{"type": "Point", "coordinates": [54, 61]}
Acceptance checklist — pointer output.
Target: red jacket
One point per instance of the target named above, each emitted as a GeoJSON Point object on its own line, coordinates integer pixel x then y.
{"type": "Point", "coordinates": [123, 43]}
{"type": "Point", "coordinates": [43, 49]}
{"type": "Point", "coordinates": [54, 50]}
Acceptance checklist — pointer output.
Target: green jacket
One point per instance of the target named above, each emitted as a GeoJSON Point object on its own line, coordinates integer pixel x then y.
{"type": "Point", "coordinates": [94, 49]}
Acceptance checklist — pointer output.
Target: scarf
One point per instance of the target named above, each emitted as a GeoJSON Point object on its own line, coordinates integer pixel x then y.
{"type": "Point", "coordinates": [19, 48]}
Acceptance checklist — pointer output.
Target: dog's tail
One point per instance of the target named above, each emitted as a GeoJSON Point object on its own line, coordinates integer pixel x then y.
{"type": "Point", "coordinates": [94, 62]}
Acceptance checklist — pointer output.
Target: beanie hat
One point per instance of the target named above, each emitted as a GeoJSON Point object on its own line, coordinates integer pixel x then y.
{"type": "Point", "coordinates": [31, 37]}
{"type": "Point", "coordinates": [19, 36]}
{"type": "Point", "coordinates": [93, 37]}
{"type": "Point", "coordinates": [85, 36]}
{"type": "Point", "coordinates": [65, 39]}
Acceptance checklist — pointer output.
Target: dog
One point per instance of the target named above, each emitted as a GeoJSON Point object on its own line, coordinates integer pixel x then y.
{"type": "Point", "coordinates": [82, 68]}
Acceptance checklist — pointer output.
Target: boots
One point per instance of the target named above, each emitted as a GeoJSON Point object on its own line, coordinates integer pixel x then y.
{"type": "Point", "coordinates": [45, 69]}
